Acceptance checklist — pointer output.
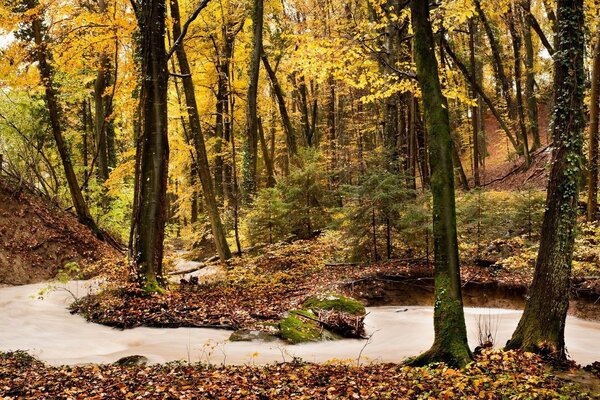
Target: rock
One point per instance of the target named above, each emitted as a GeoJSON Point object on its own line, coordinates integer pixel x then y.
{"type": "Point", "coordinates": [247, 335]}
{"type": "Point", "coordinates": [132, 360]}
{"type": "Point", "coordinates": [335, 302]}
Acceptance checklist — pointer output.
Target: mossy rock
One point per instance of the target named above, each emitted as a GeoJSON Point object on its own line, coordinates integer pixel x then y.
{"type": "Point", "coordinates": [336, 302]}
{"type": "Point", "coordinates": [298, 326]}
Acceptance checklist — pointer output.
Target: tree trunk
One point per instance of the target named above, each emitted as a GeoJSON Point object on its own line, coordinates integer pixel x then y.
{"type": "Point", "coordinates": [251, 144]}
{"type": "Point", "coordinates": [148, 226]}
{"type": "Point", "coordinates": [474, 113]}
{"type": "Point", "coordinates": [266, 156]}
{"type": "Point", "coordinates": [532, 112]}
{"type": "Point", "coordinates": [290, 137]}
{"type": "Point", "coordinates": [41, 54]}
{"type": "Point", "coordinates": [592, 204]}
{"type": "Point", "coordinates": [450, 344]}
{"type": "Point", "coordinates": [201, 158]}
{"type": "Point", "coordinates": [542, 325]}
{"type": "Point", "coordinates": [102, 106]}
{"type": "Point", "coordinates": [501, 77]}
{"type": "Point", "coordinates": [516, 44]}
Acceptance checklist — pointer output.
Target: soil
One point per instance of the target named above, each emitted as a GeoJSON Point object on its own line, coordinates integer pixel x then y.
{"type": "Point", "coordinates": [37, 238]}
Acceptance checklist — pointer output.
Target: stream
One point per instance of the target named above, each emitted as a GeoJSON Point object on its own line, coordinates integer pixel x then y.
{"type": "Point", "coordinates": [46, 329]}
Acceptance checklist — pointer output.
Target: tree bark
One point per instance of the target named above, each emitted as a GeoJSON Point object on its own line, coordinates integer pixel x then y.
{"type": "Point", "coordinates": [542, 325]}
{"type": "Point", "coordinates": [592, 204]}
{"type": "Point", "coordinates": [153, 148]}
{"type": "Point", "coordinates": [516, 44]}
{"type": "Point", "coordinates": [290, 137]}
{"type": "Point", "coordinates": [532, 112]}
{"type": "Point", "coordinates": [450, 344]}
{"type": "Point", "coordinates": [266, 156]}
{"type": "Point", "coordinates": [251, 143]}
{"type": "Point", "coordinates": [201, 158]}
{"type": "Point", "coordinates": [474, 113]}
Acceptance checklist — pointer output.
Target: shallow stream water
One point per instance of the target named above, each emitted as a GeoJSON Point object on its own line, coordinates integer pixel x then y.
{"type": "Point", "coordinates": [46, 329]}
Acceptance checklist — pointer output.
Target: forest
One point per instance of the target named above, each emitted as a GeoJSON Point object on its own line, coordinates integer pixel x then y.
{"type": "Point", "coordinates": [316, 199]}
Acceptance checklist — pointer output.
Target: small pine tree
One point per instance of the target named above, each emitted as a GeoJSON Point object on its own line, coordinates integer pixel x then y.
{"type": "Point", "coordinates": [266, 223]}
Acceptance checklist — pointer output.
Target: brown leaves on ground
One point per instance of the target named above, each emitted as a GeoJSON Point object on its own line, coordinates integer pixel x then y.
{"type": "Point", "coordinates": [37, 238]}
{"type": "Point", "coordinates": [494, 375]}
{"type": "Point", "coordinates": [255, 291]}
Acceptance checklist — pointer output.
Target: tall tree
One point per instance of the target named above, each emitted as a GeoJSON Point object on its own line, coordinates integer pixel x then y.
{"type": "Point", "coordinates": [102, 105]}
{"type": "Point", "coordinates": [532, 112]}
{"type": "Point", "coordinates": [592, 205]}
{"type": "Point", "coordinates": [251, 144]}
{"type": "Point", "coordinates": [542, 325]}
{"type": "Point", "coordinates": [450, 344]}
{"type": "Point", "coordinates": [41, 54]}
{"type": "Point", "coordinates": [152, 153]}
{"type": "Point", "coordinates": [201, 158]}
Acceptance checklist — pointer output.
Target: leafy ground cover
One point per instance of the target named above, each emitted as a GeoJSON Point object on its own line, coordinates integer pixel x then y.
{"type": "Point", "coordinates": [255, 291]}
{"type": "Point", "coordinates": [494, 375]}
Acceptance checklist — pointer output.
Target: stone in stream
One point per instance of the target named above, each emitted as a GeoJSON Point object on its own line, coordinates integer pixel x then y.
{"type": "Point", "coordinates": [247, 335]}
{"type": "Point", "coordinates": [131, 361]}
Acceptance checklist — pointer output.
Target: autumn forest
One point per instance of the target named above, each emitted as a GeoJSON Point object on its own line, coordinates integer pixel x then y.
{"type": "Point", "coordinates": [299, 199]}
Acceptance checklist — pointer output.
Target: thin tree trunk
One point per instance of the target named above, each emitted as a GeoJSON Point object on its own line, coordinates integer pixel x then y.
{"type": "Point", "coordinates": [502, 79]}
{"type": "Point", "coordinates": [201, 159]}
{"type": "Point", "coordinates": [290, 137]}
{"type": "Point", "coordinates": [592, 204]}
{"type": "Point", "coordinates": [542, 325]}
{"type": "Point", "coordinates": [474, 113]}
{"type": "Point", "coordinates": [532, 112]}
{"type": "Point", "coordinates": [450, 343]}
{"type": "Point", "coordinates": [266, 156]}
{"type": "Point", "coordinates": [251, 143]}
{"type": "Point", "coordinates": [516, 44]}
{"type": "Point", "coordinates": [483, 95]}
{"type": "Point", "coordinates": [51, 96]}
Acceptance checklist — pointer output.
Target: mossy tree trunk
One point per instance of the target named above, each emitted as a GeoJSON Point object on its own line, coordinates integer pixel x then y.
{"type": "Point", "coordinates": [148, 228]}
{"type": "Point", "coordinates": [541, 328]}
{"type": "Point", "coordinates": [450, 344]}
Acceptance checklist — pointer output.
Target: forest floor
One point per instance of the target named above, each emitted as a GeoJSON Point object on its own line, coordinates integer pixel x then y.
{"type": "Point", "coordinates": [255, 290]}
{"type": "Point", "coordinates": [494, 375]}
{"type": "Point", "coordinates": [37, 238]}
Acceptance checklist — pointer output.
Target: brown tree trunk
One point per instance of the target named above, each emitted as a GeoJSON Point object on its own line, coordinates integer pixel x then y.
{"type": "Point", "coordinates": [474, 113]}
{"type": "Point", "coordinates": [516, 44]}
{"type": "Point", "coordinates": [266, 156]}
{"type": "Point", "coordinates": [201, 158]}
{"type": "Point", "coordinates": [592, 204]}
{"type": "Point", "coordinates": [41, 54]}
{"type": "Point", "coordinates": [251, 143]}
{"type": "Point", "coordinates": [542, 325]}
{"type": "Point", "coordinates": [290, 137]}
{"type": "Point", "coordinates": [532, 112]}
{"type": "Point", "coordinates": [148, 228]}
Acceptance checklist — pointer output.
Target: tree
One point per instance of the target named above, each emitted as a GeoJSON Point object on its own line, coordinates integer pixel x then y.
{"type": "Point", "coordinates": [542, 325]}
{"type": "Point", "coordinates": [41, 53]}
{"type": "Point", "coordinates": [201, 159]}
{"type": "Point", "coordinates": [152, 152]}
{"type": "Point", "coordinates": [592, 205]}
{"type": "Point", "coordinates": [450, 344]}
{"type": "Point", "coordinates": [251, 144]}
